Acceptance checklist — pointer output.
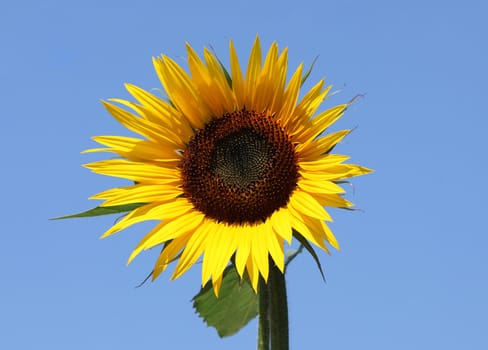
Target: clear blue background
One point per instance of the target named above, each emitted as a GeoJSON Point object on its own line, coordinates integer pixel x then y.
{"type": "Point", "coordinates": [412, 272]}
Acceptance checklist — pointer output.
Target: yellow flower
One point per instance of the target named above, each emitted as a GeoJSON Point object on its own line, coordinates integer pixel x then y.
{"type": "Point", "coordinates": [231, 165]}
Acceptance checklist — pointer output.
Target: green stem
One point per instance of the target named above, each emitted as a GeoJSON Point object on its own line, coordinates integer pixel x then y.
{"type": "Point", "coordinates": [263, 326]}
{"type": "Point", "coordinates": [278, 309]}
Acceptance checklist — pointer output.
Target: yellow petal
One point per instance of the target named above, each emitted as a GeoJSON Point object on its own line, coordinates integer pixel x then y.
{"type": "Point", "coordinates": [253, 71]}
{"type": "Point", "coordinates": [136, 149]}
{"type": "Point", "coordinates": [243, 248]}
{"type": "Point", "coordinates": [275, 247]}
{"type": "Point", "coordinates": [181, 91]}
{"type": "Point", "coordinates": [280, 221]}
{"type": "Point", "coordinates": [319, 186]}
{"type": "Point", "coordinates": [317, 231]}
{"type": "Point", "coordinates": [169, 254]}
{"type": "Point", "coordinates": [162, 112]}
{"type": "Point", "coordinates": [305, 203]}
{"type": "Point", "coordinates": [194, 249]}
{"type": "Point", "coordinates": [210, 82]}
{"type": "Point", "coordinates": [322, 162]}
{"type": "Point", "coordinates": [217, 282]}
{"type": "Point", "coordinates": [321, 171]}
{"type": "Point", "coordinates": [146, 212]}
{"type": "Point", "coordinates": [153, 238]}
{"type": "Point", "coordinates": [237, 80]}
{"type": "Point", "coordinates": [174, 228]}
{"type": "Point", "coordinates": [153, 211]}
{"type": "Point", "coordinates": [223, 93]}
{"type": "Point", "coordinates": [322, 146]}
{"type": "Point", "coordinates": [259, 249]}
{"type": "Point", "coordinates": [219, 249]}
{"type": "Point", "coordinates": [291, 97]}
{"type": "Point", "coordinates": [141, 126]}
{"type": "Point", "coordinates": [325, 119]}
{"type": "Point", "coordinates": [330, 236]}
{"type": "Point", "coordinates": [253, 273]}
{"type": "Point", "coordinates": [313, 98]}
{"type": "Point", "coordinates": [299, 222]}
{"type": "Point", "coordinates": [265, 88]}
{"type": "Point", "coordinates": [138, 194]}
{"type": "Point", "coordinates": [332, 200]}
{"type": "Point", "coordinates": [166, 130]}
{"type": "Point", "coordinates": [136, 171]}
{"type": "Point", "coordinates": [328, 141]}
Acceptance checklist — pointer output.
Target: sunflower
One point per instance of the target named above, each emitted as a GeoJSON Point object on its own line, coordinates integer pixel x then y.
{"type": "Point", "coordinates": [231, 165]}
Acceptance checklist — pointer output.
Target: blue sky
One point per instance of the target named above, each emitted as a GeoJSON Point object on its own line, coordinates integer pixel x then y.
{"type": "Point", "coordinates": [412, 271]}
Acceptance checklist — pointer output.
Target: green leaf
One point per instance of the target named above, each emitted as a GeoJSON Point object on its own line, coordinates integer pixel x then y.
{"type": "Point", "coordinates": [309, 248]}
{"type": "Point", "coordinates": [114, 209]}
{"type": "Point", "coordinates": [233, 309]}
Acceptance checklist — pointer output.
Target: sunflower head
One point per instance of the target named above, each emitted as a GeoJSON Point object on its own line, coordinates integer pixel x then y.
{"type": "Point", "coordinates": [230, 165]}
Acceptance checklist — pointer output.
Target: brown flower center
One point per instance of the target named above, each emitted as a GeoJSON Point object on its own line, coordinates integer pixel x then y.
{"type": "Point", "coordinates": [240, 168]}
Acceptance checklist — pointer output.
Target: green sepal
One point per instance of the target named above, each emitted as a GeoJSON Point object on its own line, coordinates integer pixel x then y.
{"type": "Point", "coordinates": [291, 255]}
{"type": "Point", "coordinates": [306, 244]}
{"type": "Point", "coordinates": [236, 305]}
{"type": "Point", "coordinates": [97, 211]}
{"type": "Point", "coordinates": [226, 73]}
{"type": "Point", "coordinates": [309, 70]}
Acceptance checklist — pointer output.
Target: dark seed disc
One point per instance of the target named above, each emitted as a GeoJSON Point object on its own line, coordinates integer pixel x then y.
{"type": "Point", "coordinates": [240, 168]}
